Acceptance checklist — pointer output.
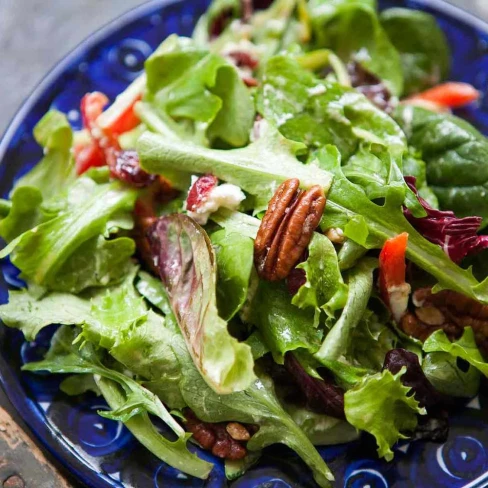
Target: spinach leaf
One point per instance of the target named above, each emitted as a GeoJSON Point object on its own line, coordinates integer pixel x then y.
{"type": "Point", "coordinates": [423, 48]}
{"type": "Point", "coordinates": [234, 253]}
{"type": "Point", "coordinates": [317, 112]}
{"type": "Point", "coordinates": [351, 28]}
{"type": "Point", "coordinates": [455, 154]}
{"type": "Point", "coordinates": [442, 370]}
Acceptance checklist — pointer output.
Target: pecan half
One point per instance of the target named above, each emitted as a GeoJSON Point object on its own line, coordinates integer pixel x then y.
{"type": "Point", "coordinates": [449, 311]}
{"type": "Point", "coordinates": [218, 437]}
{"type": "Point", "coordinates": [287, 228]}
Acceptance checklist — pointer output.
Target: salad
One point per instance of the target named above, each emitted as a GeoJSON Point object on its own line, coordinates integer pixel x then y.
{"type": "Point", "coordinates": [272, 236]}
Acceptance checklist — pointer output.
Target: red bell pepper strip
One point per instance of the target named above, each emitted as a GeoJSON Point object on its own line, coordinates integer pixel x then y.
{"type": "Point", "coordinates": [88, 156]}
{"type": "Point", "coordinates": [452, 94]}
{"type": "Point", "coordinates": [395, 291]}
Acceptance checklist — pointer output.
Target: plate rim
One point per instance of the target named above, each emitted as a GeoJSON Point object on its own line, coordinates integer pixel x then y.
{"type": "Point", "coordinates": [46, 435]}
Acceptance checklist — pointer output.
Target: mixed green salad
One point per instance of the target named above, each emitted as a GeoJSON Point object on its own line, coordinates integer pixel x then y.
{"type": "Point", "coordinates": [273, 236]}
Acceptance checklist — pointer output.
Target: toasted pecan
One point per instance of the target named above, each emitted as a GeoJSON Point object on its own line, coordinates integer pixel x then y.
{"type": "Point", "coordinates": [449, 311]}
{"type": "Point", "coordinates": [287, 228]}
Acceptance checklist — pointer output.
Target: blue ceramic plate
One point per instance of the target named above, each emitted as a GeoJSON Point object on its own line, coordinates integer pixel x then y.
{"type": "Point", "coordinates": [102, 453]}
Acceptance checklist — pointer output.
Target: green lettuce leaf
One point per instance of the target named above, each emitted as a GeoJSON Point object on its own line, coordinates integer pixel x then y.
{"type": "Point", "coordinates": [78, 384]}
{"type": "Point", "coordinates": [338, 339]}
{"type": "Point", "coordinates": [65, 357]}
{"type": "Point", "coordinates": [322, 430]}
{"type": "Point", "coordinates": [29, 314]}
{"type": "Point", "coordinates": [465, 348]}
{"type": "Point", "coordinates": [24, 212]}
{"type": "Point", "coordinates": [41, 252]}
{"type": "Point", "coordinates": [257, 168]}
{"type": "Point", "coordinates": [234, 254]}
{"type": "Point", "coordinates": [174, 453]}
{"type": "Point", "coordinates": [56, 170]}
{"type": "Point", "coordinates": [446, 376]}
{"type": "Point", "coordinates": [370, 224]}
{"type": "Point", "coordinates": [382, 406]}
{"type": "Point", "coordinates": [257, 404]}
{"type": "Point", "coordinates": [324, 288]}
{"type": "Point", "coordinates": [188, 83]}
{"type": "Point", "coordinates": [283, 326]}
{"type": "Point", "coordinates": [96, 263]}
{"type": "Point", "coordinates": [423, 48]}
{"type": "Point", "coordinates": [351, 28]}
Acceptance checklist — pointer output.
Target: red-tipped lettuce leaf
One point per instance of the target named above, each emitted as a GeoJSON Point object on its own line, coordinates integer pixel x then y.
{"type": "Point", "coordinates": [185, 258]}
{"type": "Point", "coordinates": [457, 236]}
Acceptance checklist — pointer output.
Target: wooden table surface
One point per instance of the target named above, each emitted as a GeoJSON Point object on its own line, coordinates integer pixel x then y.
{"type": "Point", "coordinates": [34, 34]}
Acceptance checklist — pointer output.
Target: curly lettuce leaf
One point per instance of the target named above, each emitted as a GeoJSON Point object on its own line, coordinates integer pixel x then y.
{"type": "Point", "coordinates": [423, 48]}
{"type": "Point", "coordinates": [324, 288]}
{"type": "Point", "coordinates": [234, 254]}
{"type": "Point", "coordinates": [190, 84]}
{"type": "Point", "coordinates": [465, 348]}
{"type": "Point", "coordinates": [382, 406]}
{"type": "Point", "coordinates": [116, 319]}
{"type": "Point", "coordinates": [187, 264]}
{"type": "Point", "coordinates": [30, 314]}
{"type": "Point", "coordinates": [351, 28]}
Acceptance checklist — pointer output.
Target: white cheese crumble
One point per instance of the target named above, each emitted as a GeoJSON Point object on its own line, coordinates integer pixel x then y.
{"type": "Point", "coordinates": [226, 195]}
{"type": "Point", "coordinates": [316, 90]}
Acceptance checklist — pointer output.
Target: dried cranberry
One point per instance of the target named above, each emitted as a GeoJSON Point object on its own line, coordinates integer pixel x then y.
{"type": "Point", "coordinates": [244, 59]}
{"type": "Point", "coordinates": [199, 191]}
{"type": "Point", "coordinates": [125, 166]}
{"type": "Point", "coordinates": [296, 279]}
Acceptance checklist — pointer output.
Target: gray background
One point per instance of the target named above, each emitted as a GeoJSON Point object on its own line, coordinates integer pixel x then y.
{"type": "Point", "coordinates": [35, 34]}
